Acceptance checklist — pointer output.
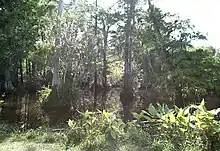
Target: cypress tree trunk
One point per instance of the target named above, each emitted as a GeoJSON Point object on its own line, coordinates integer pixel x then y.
{"type": "Point", "coordinates": [27, 69]}
{"type": "Point", "coordinates": [53, 104]}
{"type": "Point", "coordinates": [8, 82]}
{"type": "Point", "coordinates": [95, 59]}
{"type": "Point", "coordinates": [56, 59]}
{"type": "Point", "coordinates": [21, 71]}
{"type": "Point", "coordinates": [126, 95]}
{"type": "Point", "coordinates": [104, 73]}
{"type": "Point", "coordinates": [33, 69]}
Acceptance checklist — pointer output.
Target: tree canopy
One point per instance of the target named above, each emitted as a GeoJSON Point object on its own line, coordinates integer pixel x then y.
{"type": "Point", "coordinates": [141, 55]}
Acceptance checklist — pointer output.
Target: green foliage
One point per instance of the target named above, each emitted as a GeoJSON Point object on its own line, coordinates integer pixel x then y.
{"type": "Point", "coordinates": [153, 112]}
{"type": "Point", "coordinates": [159, 111]}
{"type": "Point", "coordinates": [196, 71]}
{"type": "Point", "coordinates": [6, 129]}
{"type": "Point", "coordinates": [44, 94]}
{"type": "Point", "coordinates": [161, 55]}
{"type": "Point", "coordinates": [193, 123]}
{"type": "Point", "coordinates": [168, 61]}
{"type": "Point", "coordinates": [39, 136]}
{"type": "Point", "coordinates": [19, 29]}
{"type": "Point", "coordinates": [98, 130]}
{"type": "Point", "coordinates": [116, 70]}
{"type": "Point", "coordinates": [93, 126]}
{"type": "Point", "coordinates": [104, 131]}
{"type": "Point", "coordinates": [47, 98]}
{"type": "Point", "coordinates": [199, 120]}
{"type": "Point", "coordinates": [30, 146]}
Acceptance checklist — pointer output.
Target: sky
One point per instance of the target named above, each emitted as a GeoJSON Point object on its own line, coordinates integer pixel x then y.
{"type": "Point", "coordinates": [204, 14]}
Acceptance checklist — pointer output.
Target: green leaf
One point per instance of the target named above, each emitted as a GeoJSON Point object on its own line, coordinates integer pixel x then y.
{"type": "Point", "coordinates": [204, 126]}
{"type": "Point", "coordinates": [186, 111]}
{"type": "Point", "coordinates": [106, 114]}
{"type": "Point", "coordinates": [217, 129]}
{"type": "Point", "coordinates": [148, 118]}
{"type": "Point", "coordinates": [70, 123]}
{"type": "Point", "coordinates": [202, 106]}
{"type": "Point", "coordinates": [113, 134]}
{"type": "Point", "coordinates": [143, 112]}
{"type": "Point", "coordinates": [183, 129]}
{"type": "Point", "coordinates": [93, 120]}
{"type": "Point", "coordinates": [138, 116]}
{"type": "Point", "coordinates": [180, 113]}
{"type": "Point", "coordinates": [172, 117]}
{"type": "Point", "coordinates": [159, 106]}
{"type": "Point", "coordinates": [145, 117]}
{"type": "Point", "coordinates": [152, 110]}
{"type": "Point", "coordinates": [165, 118]}
{"type": "Point", "coordinates": [166, 109]}
{"type": "Point", "coordinates": [214, 111]}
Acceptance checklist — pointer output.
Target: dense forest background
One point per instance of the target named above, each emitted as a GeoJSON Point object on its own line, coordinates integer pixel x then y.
{"type": "Point", "coordinates": [61, 59]}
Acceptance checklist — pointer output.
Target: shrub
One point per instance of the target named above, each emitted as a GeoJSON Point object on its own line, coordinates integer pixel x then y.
{"type": "Point", "coordinates": [190, 127]}
{"type": "Point", "coordinates": [43, 95]}
{"type": "Point", "coordinates": [95, 128]}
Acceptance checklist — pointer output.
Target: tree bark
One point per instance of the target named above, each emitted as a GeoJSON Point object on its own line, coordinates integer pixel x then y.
{"type": "Point", "coordinates": [56, 59]}
{"type": "Point", "coordinates": [16, 76]}
{"type": "Point", "coordinates": [95, 59]}
{"type": "Point", "coordinates": [33, 69]}
{"type": "Point", "coordinates": [8, 82]}
{"type": "Point", "coordinates": [27, 70]}
{"type": "Point", "coordinates": [105, 31]}
{"type": "Point", "coordinates": [126, 95]}
{"type": "Point", "coordinates": [21, 72]}
{"type": "Point", "coordinates": [52, 107]}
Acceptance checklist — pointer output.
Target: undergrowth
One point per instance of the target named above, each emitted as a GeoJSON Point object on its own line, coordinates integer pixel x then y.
{"type": "Point", "coordinates": [165, 130]}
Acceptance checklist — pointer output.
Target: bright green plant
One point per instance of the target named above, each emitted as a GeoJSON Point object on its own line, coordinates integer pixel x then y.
{"type": "Point", "coordinates": [194, 122]}
{"type": "Point", "coordinates": [200, 119]}
{"type": "Point", "coordinates": [95, 125]}
{"type": "Point", "coordinates": [159, 110]}
{"type": "Point", "coordinates": [183, 125]}
{"type": "Point", "coordinates": [44, 94]}
{"type": "Point", "coordinates": [193, 116]}
{"type": "Point", "coordinates": [153, 112]}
